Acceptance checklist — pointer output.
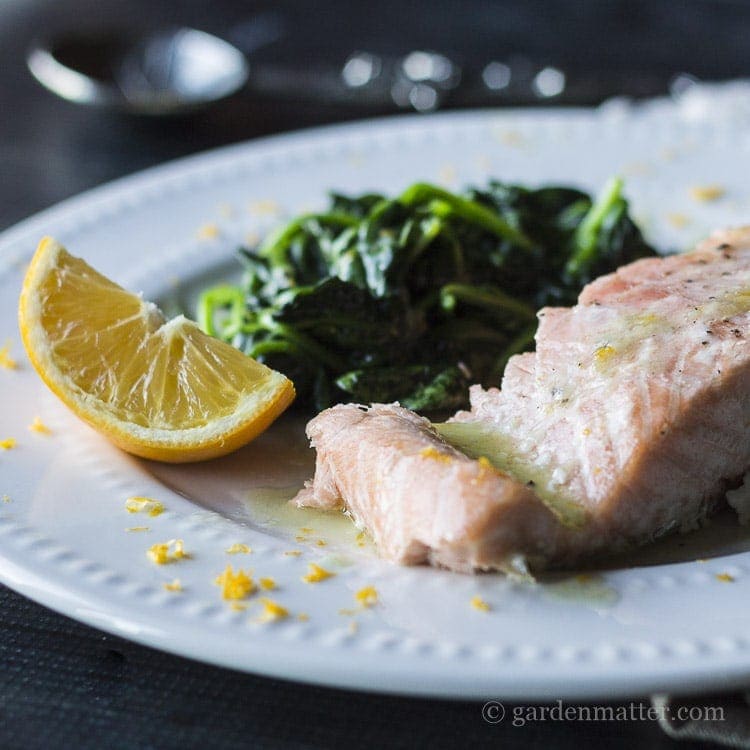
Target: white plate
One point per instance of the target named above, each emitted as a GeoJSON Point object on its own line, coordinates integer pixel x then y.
{"type": "Point", "coordinates": [638, 627]}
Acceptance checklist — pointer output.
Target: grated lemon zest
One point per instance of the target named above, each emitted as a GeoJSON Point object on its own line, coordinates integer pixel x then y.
{"type": "Point", "coordinates": [321, 543]}
{"type": "Point", "coordinates": [306, 530]}
{"type": "Point", "coordinates": [367, 596]}
{"type": "Point", "coordinates": [293, 552]}
{"type": "Point", "coordinates": [6, 498]}
{"type": "Point", "coordinates": [353, 627]}
{"type": "Point", "coordinates": [8, 444]}
{"type": "Point", "coordinates": [238, 548]}
{"type": "Point", "coordinates": [303, 617]}
{"type": "Point", "coordinates": [238, 606]}
{"type": "Point", "coordinates": [6, 361]}
{"type": "Point", "coordinates": [233, 585]}
{"type": "Point", "coordinates": [208, 232]}
{"type": "Point", "coordinates": [272, 611]}
{"type": "Point", "coordinates": [138, 504]}
{"type": "Point", "coordinates": [725, 577]}
{"type": "Point", "coordinates": [267, 584]}
{"type": "Point", "coordinates": [138, 528]}
{"type": "Point", "coordinates": [707, 193]}
{"type": "Point", "coordinates": [167, 552]}
{"type": "Point", "coordinates": [603, 353]}
{"type": "Point", "coordinates": [677, 220]}
{"type": "Point", "coordinates": [480, 604]}
{"type": "Point", "coordinates": [361, 539]}
{"type": "Point", "coordinates": [174, 585]}
{"type": "Point", "coordinates": [316, 574]}
{"type": "Point", "coordinates": [38, 426]}
{"type": "Point", "coordinates": [436, 455]}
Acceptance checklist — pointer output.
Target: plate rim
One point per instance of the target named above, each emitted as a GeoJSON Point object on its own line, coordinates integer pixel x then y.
{"type": "Point", "coordinates": [31, 584]}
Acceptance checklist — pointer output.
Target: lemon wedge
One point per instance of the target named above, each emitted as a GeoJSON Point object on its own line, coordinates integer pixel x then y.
{"type": "Point", "coordinates": [158, 389]}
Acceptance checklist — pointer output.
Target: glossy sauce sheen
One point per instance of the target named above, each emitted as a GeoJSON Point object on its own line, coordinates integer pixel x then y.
{"type": "Point", "coordinates": [628, 422]}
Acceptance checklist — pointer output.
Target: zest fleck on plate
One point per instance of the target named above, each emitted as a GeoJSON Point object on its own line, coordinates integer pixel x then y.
{"type": "Point", "coordinates": [673, 616]}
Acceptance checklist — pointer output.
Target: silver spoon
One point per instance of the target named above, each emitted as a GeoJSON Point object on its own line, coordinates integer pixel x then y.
{"type": "Point", "coordinates": [170, 72]}
{"type": "Point", "coordinates": [183, 69]}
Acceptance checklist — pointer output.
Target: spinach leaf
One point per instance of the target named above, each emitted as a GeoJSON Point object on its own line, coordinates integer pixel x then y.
{"type": "Point", "coordinates": [412, 298]}
{"type": "Point", "coordinates": [419, 387]}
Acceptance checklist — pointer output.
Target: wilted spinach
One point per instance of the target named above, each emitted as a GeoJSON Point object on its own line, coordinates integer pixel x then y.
{"type": "Point", "coordinates": [413, 298]}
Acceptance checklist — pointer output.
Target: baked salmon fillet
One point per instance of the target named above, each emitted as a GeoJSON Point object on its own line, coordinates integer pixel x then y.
{"type": "Point", "coordinates": [629, 421]}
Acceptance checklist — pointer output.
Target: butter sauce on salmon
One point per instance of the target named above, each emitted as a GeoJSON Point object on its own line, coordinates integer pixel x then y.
{"type": "Point", "coordinates": [629, 421]}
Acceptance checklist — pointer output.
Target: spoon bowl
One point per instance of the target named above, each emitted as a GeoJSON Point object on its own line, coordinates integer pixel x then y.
{"type": "Point", "coordinates": [169, 72]}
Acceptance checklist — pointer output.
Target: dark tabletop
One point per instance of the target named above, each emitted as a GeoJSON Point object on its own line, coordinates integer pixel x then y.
{"type": "Point", "coordinates": [64, 685]}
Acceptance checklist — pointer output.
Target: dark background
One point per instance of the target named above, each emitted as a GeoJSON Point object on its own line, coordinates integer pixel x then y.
{"type": "Point", "coordinates": [63, 685]}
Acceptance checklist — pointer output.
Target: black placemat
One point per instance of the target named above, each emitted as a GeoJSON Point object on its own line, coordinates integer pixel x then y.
{"type": "Point", "coordinates": [66, 686]}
